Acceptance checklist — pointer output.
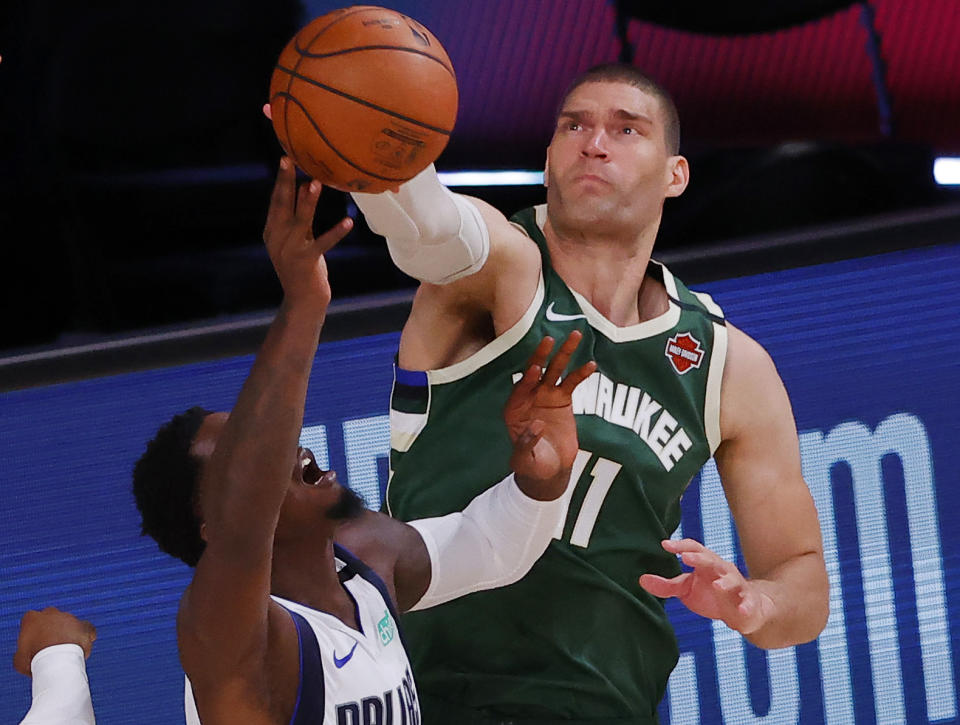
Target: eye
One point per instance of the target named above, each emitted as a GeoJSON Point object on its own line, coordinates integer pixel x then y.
{"type": "Point", "coordinates": [629, 130]}
{"type": "Point", "coordinates": [309, 470]}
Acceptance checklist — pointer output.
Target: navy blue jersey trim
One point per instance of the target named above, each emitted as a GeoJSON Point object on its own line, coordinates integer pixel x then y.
{"type": "Point", "coordinates": [410, 378]}
{"type": "Point", "coordinates": [355, 566]}
{"type": "Point", "coordinates": [310, 699]}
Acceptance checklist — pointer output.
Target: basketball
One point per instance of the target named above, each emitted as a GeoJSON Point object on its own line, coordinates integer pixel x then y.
{"type": "Point", "coordinates": [363, 98]}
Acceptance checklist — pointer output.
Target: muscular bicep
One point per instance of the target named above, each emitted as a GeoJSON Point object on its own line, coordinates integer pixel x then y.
{"type": "Point", "coordinates": [508, 281]}
{"type": "Point", "coordinates": [449, 322]}
{"type": "Point", "coordinates": [759, 462]}
{"type": "Point", "coordinates": [222, 620]}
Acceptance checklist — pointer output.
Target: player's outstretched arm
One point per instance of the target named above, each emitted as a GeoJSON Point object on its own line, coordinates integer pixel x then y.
{"type": "Point", "coordinates": [497, 538]}
{"type": "Point", "coordinates": [785, 599]}
{"type": "Point", "coordinates": [223, 616]}
{"type": "Point", "coordinates": [473, 263]}
{"type": "Point", "coordinates": [51, 647]}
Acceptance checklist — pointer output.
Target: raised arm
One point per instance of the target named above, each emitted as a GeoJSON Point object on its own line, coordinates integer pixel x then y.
{"type": "Point", "coordinates": [501, 533]}
{"type": "Point", "coordinates": [223, 617]}
{"type": "Point", "coordinates": [474, 266]}
{"type": "Point", "coordinates": [785, 600]}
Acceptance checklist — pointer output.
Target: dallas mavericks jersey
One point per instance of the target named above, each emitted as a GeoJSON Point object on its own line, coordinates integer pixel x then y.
{"type": "Point", "coordinates": [348, 677]}
{"type": "Point", "coordinates": [577, 638]}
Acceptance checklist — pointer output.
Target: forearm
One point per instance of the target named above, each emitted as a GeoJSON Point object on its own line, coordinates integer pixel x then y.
{"type": "Point", "coordinates": [799, 595]}
{"type": "Point", "coordinates": [493, 542]}
{"type": "Point", "coordinates": [61, 693]}
{"type": "Point", "coordinates": [261, 434]}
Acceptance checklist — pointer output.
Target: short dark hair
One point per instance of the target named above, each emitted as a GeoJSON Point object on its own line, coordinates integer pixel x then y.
{"type": "Point", "coordinates": [623, 73]}
{"type": "Point", "coordinates": [165, 487]}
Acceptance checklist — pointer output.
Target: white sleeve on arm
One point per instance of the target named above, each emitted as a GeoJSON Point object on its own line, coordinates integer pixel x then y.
{"type": "Point", "coordinates": [61, 693]}
{"type": "Point", "coordinates": [491, 543]}
{"type": "Point", "coordinates": [433, 234]}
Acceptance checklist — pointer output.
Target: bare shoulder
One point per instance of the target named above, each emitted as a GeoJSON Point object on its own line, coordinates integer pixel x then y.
{"type": "Point", "coordinates": [376, 539]}
{"type": "Point", "coordinates": [394, 550]}
{"type": "Point", "coordinates": [752, 393]}
{"type": "Point", "coordinates": [450, 322]}
{"type": "Point", "coordinates": [502, 230]}
{"type": "Point", "coordinates": [513, 256]}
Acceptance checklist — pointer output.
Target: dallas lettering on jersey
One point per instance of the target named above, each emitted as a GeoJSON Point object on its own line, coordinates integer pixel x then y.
{"type": "Point", "coordinates": [632, 408]}
{"type": "Point", "coordinates": [379, 709]}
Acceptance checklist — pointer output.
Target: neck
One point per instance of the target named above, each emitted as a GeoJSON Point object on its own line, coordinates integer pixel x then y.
{"type": "Point", "coordinates": [304, 571]}
{"type": "Point", "coordinates": [609, 270]}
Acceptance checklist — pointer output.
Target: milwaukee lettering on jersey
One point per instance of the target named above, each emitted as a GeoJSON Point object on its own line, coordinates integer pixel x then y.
{"type": "Point", "coordinates": [632, 408]}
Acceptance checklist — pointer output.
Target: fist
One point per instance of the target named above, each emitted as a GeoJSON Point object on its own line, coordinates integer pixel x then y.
{"type": "Point", "coordinates": [39, 630]}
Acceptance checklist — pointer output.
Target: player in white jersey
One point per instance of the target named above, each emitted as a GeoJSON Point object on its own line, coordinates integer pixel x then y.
{"type": "Point", "coordinates": [363, 676]}
{"type": "Point", "coordinates": [269, 631]}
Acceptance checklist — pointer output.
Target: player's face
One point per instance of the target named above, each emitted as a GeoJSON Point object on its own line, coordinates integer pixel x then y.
{"type": "Point", "coordinates": [608, 166]}
{"type": "Point", "coordinates": [314, 498]}
{"type": "Point", "coordinates": [313, 495]}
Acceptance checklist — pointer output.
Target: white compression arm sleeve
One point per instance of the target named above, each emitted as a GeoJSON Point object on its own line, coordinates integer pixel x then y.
{"type": "Point", "coordinates": [61, 693]}
{"type": "Point", "coordinates": [433, 234]}
{"type": "Point", "coordinates": [491, 543]}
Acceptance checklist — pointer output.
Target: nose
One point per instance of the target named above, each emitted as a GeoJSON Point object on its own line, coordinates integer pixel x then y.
{"type": "Point", "coordinates": [594, 145]}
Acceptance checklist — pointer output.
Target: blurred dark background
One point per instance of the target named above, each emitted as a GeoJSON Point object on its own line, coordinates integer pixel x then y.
{"type": "Point", "coordinates": [135, 165]}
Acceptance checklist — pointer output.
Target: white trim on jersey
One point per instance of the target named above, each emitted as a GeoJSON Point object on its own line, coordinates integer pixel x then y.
{"type": "Point", "coordinates": [640, 331]}
{"type": "Point", "coordinates": [648, 328]}
{"type": "Point", "coordinates": [405, 427]}
{"type": "Point", "coordinates": [494, 348]}
{"type": "Point", "coordinates": [718, 358]}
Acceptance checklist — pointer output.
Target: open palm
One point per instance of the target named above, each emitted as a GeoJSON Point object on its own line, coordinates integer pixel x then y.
{"type": "Point", "coordinates": [539, 418]}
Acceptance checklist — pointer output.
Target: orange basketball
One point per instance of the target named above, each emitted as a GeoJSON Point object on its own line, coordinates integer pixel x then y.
{"type": "Point", "coordinates": [363, 98]}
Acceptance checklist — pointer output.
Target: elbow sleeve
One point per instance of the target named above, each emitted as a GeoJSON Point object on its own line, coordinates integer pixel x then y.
{"type": "Point", "coordinates": [433, 235]}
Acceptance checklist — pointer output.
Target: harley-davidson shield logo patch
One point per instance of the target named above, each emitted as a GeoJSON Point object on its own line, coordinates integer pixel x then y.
{"type": "Point", "coordinates": [684, 352]}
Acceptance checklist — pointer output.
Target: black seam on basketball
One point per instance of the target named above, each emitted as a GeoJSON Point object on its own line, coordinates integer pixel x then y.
{"type": "Point", "coordinates": [334, 148]}
{"type": "Point", "coordinates": [325, 28]}
{"type": "Point", "coordinates": [296, 46]}
{"type": "Point", "coordinates": [362, 102]}
{"type": "Point", "coordinates": [401, 48]}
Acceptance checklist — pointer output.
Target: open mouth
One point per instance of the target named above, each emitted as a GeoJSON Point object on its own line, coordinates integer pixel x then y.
{"type": "Point", "coordinates": [311, 474]}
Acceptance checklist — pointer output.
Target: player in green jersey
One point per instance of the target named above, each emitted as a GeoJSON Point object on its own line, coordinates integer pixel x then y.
{"type": "Point", "coordinates": [584, 637]}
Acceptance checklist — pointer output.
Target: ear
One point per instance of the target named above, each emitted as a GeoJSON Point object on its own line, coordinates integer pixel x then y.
{"type": "Point", "coordinates": [203, 531]}
{"type": "Point", "coordinates": [546, 168]}
{"type": "Point", "coordinates": [678, 175]}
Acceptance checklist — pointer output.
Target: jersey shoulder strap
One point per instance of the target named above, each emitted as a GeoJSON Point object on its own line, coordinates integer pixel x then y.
{"type": "Point", "coordinates": [685, 298]}
{"type": "Point", "coordinates": [309, 708]}
{"type": "Point", "coordinates": [354, 567]}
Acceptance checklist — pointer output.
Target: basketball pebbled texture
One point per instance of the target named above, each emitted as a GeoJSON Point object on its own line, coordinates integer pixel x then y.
{"type": "Point", "coordinates": [363, 98]}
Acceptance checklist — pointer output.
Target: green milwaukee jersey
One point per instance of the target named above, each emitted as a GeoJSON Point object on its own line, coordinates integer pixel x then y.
{"type": "Point", "coordinates": [577, 638]}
